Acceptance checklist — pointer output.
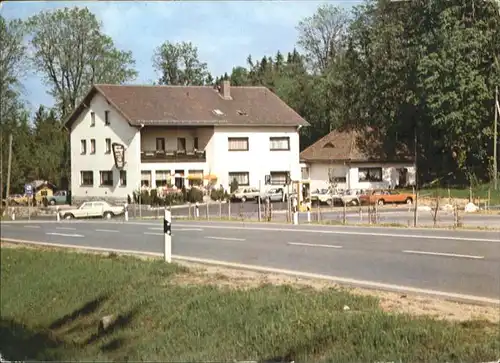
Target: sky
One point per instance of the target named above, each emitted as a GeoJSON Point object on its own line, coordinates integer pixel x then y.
{"type": "Point", "coordinates": [225, 32]}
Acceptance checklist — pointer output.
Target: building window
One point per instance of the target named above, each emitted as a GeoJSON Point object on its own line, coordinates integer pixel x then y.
{"type": "Point", "coordinates": [278, 177]}
{"type": "Point", "coordinates": [162, 178]}
{"type": "Point", "coordinates": [160, 144]}
{"type": "Point", "coordinates": [145, 179]}
{"type": "Point", "coordinates": [92, 119]}
{"type": "Point", "coordinates": [87, 178]}
{"type": "Point", "coordinates": [123, 178]}
{"type": "Point", "coordinates": [370, 174]}
{"type": "Point", "coordinates": [243, 178]}
{"type": "Point", "coordinates": [92, 146]}
{"type": "Point", "coordinates": [108, 146]}
{"type": "Point", "coordinates": [106, 177]}
{"type": "Point", "coordinates": [195, 143]}
{"type": "Point", "coordinates": [181, 144]}
{"type": "Point", "coordinates": [83, 146]}
{"type": "Point", "coordinates": [237, 143]}
{"type": "Point", "coordinates": [107, 122]}
{"type": "Point", "coordinates": [279, 143]}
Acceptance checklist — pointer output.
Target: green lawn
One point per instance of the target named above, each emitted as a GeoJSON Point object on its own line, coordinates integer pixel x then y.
{"type": "Point", "coordinates": [52, 301]}
{"type": "Point", "coordinates": [480, 191]}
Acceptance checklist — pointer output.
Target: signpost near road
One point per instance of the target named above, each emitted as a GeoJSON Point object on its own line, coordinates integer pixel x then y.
{"type": "Point", "coordinates": [28, 190]}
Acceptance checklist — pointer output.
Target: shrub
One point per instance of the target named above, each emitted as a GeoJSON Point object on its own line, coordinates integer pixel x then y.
{"type": "Point", "coordinates": [173, 198]}
{"type": "Point", "coordinates": [194, 195]}
{"type": "Point", "coordinates": [218, 194]}
{"type": "Point", "coordinates": [234, 185]}
{"type": "Point", "coordinates": [145, 197]}
{"type": "Point", "coordinates": [154, 197]}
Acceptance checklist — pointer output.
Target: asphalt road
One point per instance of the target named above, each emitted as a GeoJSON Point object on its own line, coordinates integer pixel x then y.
{"type": "Point", "coordinates": [464, 262]}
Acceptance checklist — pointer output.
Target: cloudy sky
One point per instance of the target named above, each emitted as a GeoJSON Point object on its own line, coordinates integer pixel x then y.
{"type": "Point", "coordinates": [225, 32]}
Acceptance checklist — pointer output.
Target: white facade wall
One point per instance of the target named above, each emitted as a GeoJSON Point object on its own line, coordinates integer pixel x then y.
{"type": "Point", "coordinates": [258, 161]}
{"type": "Point", "coordinates": [390, 176]}
{"type": "Point", "coordinates": [118, 131]}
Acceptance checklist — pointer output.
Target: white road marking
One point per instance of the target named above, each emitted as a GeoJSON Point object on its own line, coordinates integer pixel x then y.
{"type": "Point", "coordinates": [106, 230]}
{"type": "Point", "coordinates": [226, 238]}
{"type": "Point", "coordinates": [443, 254]}
{"type": "Point", "coordinates": [66, 228]}
{"type": "Point", "coordinates": [175, 229]}
{"type": "Point", "coordinates": [371, 234]}
{"type": "Point", "coordinates": [312, 245]}
{"type": "Point", "coordinates": [154, 233]}
{"type": "Point", "coordinates": [64, 234]}
{"type": "Point", "coordinates": [364, 283]}
{"type": "Point", "coordinates": [31, 226]}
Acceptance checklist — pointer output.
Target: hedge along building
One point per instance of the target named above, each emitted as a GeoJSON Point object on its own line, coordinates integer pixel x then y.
{"type": "Point", "coordinates": [127, 137]}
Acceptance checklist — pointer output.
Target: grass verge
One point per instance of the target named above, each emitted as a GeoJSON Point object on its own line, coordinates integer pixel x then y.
{"type": "Point", "coordinates": [52, 301]}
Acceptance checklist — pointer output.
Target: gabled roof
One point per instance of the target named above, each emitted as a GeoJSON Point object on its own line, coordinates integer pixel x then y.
{"type": "Point", "coordinates": [352, 145]}
{"type": "Point", "coordinates": [194, 105]}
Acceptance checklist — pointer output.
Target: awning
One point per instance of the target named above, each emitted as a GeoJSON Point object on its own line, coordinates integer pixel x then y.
{"type": "Point", "coordinates": [195, 176]}
{"type": "Point", "coordinates": [210, 177]}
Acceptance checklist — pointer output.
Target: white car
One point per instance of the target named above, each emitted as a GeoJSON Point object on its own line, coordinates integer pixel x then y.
{"type": "Point", "coordinates": [92, 210]}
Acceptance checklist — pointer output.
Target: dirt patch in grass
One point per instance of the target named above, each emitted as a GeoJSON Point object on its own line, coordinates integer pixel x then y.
{"type": "Point", "coordinates": [53, 301]}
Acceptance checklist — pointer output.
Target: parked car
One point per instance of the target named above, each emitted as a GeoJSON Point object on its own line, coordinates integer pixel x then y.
{"type": "Point", "coordinates": [59, 197]}
{"type": "Point", "coordinates": [245, 193]}
{"type": "Point", "coordinates": [322, 196]}
{"type": "Point", "coordinates": [93, 210]}
{"type": "Point", "coordinates": [349, 197]}
{"type": "Point", "coordinates": [273, 195]}
{"type": "Point", "coordinates": [382, 197]}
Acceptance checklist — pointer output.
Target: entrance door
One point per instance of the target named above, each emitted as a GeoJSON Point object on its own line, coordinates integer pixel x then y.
{"type": "Point", "coordinates": [403, 177]}
{"type": "Point", "coordinates": [179, 178]}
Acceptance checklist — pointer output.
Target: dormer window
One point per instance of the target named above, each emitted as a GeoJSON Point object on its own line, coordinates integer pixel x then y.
{"type": "Point", "coordinates": [242, 113]}
{"type": "Point", "coordinates": [329, 144]}
{"type": "Point", "coordinates": [218, 112]}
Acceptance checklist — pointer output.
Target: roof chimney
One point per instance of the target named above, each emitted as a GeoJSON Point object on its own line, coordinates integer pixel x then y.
{"type": "Point", "coordinates": [225, 90]}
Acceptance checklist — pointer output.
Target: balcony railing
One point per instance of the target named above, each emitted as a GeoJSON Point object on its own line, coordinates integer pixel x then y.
{"type": "Point", "coordinates": [173, 155]}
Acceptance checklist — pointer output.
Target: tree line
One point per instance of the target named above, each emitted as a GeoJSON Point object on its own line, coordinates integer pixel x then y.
{"type": "Point", "coordinates": [419, 73]}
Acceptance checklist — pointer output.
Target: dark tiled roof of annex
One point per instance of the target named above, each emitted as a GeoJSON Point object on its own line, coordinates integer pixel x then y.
{"type": "Point", "coordinates": [352, 145]}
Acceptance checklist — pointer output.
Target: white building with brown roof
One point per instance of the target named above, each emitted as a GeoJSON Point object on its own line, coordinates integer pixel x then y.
{"type": "Point", "coordinates": [352, 160]}
{"type": "Point", "coordinates": [165, 134]}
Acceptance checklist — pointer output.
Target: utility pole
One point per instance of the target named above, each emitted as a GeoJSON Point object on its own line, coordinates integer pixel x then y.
{"type": "Point", "coordinates": [415, 213]}
{"type": "Point", "coordinates": [495, 140]}
{"type": "Point", "coordinates": [9, 165]}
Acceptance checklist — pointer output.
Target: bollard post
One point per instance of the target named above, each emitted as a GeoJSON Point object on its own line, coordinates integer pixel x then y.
{"type": "Point", "coordinates": [318, 212]}
{"type": "Point", "coordinates": [58, 216]}
{"type": "Point", "coordinates": [197, 210]}
{"type": "Point", "coordinates": [344, 217]}
{"type": "Point", "coordinates": [207, 211]}
{"type": "Point", "coordinates": [13, 215]}
{"type": "Point", "coordinates": [295, 212]}
{"type": "Point", "coordinates": [167, 231]}
{"type": "Point", "coordinates": [126, 212]}
{"type": "Point", "coordinates": [360, 214]}
{"type": "Point", "coordinates": [308, 214]}
{"type": "Point", "coordinates": [229, 209]}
